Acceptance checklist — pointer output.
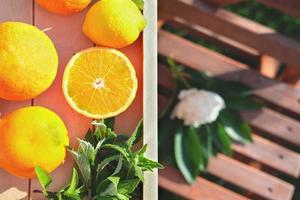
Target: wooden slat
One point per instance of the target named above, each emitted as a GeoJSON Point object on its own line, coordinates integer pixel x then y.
{"type": "Point", "coordinates": [286, 128]}
{"type": "Point", "coordinates": [250, 178]}
{"type": "Point", "coordinates": [233, 26]}
{"type": "Point", "coordinates": [276, 124]}
{"type": "Point", "coordinates": [56, 27]}
{"type": "Point", "coordinates": [171, 180]}
{"type": "Point", "coordinates": [222, 41]}
{"type": "Point", "coordinates": [200, 58]}
{"type": "Point", "coordinates": [13, 10]}
{"type": "Point", "coordinates": [223, 2]}
{"type": "Point", "coordinates": [264, 151]}
{"type": "Point", "coordinates": [291, 7]}
{"type": "Point", "coordinates": [271, 154]}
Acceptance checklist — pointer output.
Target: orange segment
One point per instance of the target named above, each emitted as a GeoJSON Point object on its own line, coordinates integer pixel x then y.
{"type": "Point", "coordinates": [99, 82]}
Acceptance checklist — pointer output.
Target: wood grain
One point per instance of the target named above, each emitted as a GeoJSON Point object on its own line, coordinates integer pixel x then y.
{"type": "Point", "coordinates": [235, 27]}
{"type": "Point", "coordinates": [271, 154]}
{"type": "Point", "coordinates": [200, 58]}
{"type": "Point", "coordinates": [196, 30]}
{"type": "Point", "coordinates": [171, 180]}
{"type": "Point", "coordinates": [13, 10]}
{"type": "Point", "coordinates": [250, 178]}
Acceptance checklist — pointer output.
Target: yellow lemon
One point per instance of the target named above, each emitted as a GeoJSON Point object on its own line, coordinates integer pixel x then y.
{"type": "Point", "coordinates": [28, 61]}
{"type": "Point", "coordinates": [30, 137]}
{"type": "Point", "coordinates": [99, 82]}
{"type": "Point", "coordinates": [63, 7]}
{"type": "Point", "coordinates": [114, 23]}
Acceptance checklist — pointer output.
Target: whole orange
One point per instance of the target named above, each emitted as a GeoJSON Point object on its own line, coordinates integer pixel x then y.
{"type": "Point", "coordinates": [28, 61]}
{"type": "Point", "coordinates": [63, 7]}
{"type": "Point", "coordinates": [31, 137]}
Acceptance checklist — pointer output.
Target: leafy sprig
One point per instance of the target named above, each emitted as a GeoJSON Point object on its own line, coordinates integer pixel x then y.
{"type": "Point", "coordinates": [106, 167]}
{"type": "Point", "coordinates": [192, 146]}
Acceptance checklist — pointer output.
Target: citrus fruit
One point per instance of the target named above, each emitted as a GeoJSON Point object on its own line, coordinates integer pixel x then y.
{"type": "Point", "coordinates": [63, 7]}
{"type": "Point", "coordinates": [28, 61]}
{"type": "Point", "coordinates": [30, 137]}
{"type": "Point", "coordinates": [99, 82]}
{"type": "Point", "coordinates": [114, 23]}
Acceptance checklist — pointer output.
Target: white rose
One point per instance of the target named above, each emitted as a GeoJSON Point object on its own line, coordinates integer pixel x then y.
{"type": "Point", "coordinates": [197, 107]}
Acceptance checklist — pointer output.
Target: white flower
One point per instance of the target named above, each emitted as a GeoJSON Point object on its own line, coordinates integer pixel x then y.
{"type": "Point", "coordinates": [197, 107]}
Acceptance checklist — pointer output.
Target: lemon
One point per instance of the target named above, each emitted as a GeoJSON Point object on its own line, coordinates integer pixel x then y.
{"type": "Point", "coordinates": [99, 82]}
{"type": "Point", "coordinates": [30, 137]}
{"type": "Point", "coordinates": [28, 61]}
{"type": "Point", "coordinates": [114, 23]}
{"type": "Point", "coordinates": [63, 7]}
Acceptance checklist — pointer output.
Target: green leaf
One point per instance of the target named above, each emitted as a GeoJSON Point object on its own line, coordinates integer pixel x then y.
{"type": "Point", "coordinates": [87, 150]}
{"type": "Point", "coordinates": [89, 137]}
{"type": "Point", "coordinates": [148, 165]}
{"type": "Point", "coordinates": [106, 161]}
{"type": "Point", "coordinates": [138, 172]}
{"type": "Point", "coordinates": [139, 3]}
{"type": "Point", "coordinates": [242, 104]}
{"type": "Point", "coordinates": [118, 148]}
{"type": "Point", "coordinates": [128, 186]}
{"type": "Point", "coordinates": [99, 145]}
{"type": "Point", "coordinates": [123, 197]}
{"type": "Point", "coordinates": [43, 177]}
{"type": "Point", "coordinates": [234, 126]}
{"type": "Point", "coordinates": [231, 89]}
{"type": "Point", "coordinates": [136, 135]}
{"type": "Point", "coordinates": [187, 153]}
{"type": "Point", "coordinates": [110, 123]}
{"type": "Point", "coordinates": [119, 166]}
{"type": "Point", "coordinates": [73, 183]}
{"type": "Point", "coordinates": [83, 165]}
{"type": "Point", "coordinates": [222, 140]}
{"type": "Point", "coordinates": [112, 188]}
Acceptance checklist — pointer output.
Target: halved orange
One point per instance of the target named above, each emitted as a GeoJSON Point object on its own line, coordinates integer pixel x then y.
{"type": "Point", "coordinates": [99, 82]}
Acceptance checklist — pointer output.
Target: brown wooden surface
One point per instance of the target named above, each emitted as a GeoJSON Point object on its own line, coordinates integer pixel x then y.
{"type": "Point", "coordinates": [171, 180]}
{"type": "Point", "coordinates": [236, 27]}
{"type": "Point", "coordinates": [275, 124]}
{"type": "Point", "coordinates": [249, 178]}
{"type": "Point", "coordinates": [67, 36]}
{"type": "Point", "coordinates": [200, 58]}
{"type": "Point", "coordinates": [291, 7]}
{"type": "Point", "coordinates": [223, 2]}
{"type": "Point", "coordinates": [216, 38]}
{"type": "Point", "coordinates": [291, 75]}
{"type": "Point", "coordinates": [271, 154]}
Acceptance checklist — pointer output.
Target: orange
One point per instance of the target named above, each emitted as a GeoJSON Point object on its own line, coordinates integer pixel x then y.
{"type": "Point", "coordinates": [28, 61]}
{"type": "Point", "coordinates": [99, 82]}
{"type": "Point", "coordinates": [30, 137]}
{"type": "Point", "coordinates": [63, 7]}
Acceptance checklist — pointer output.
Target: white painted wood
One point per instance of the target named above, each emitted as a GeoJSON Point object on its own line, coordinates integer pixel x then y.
{"type": "Point", "coordinates": [150, 96]}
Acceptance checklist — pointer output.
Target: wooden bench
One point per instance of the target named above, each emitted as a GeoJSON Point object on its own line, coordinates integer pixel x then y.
{"type": "Point", "coordinates": [276, 128]}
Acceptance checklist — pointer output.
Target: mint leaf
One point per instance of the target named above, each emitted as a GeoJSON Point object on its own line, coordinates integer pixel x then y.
{"type": "Point", "coordinates": [74, 182]}
{"type": "Point", "coordinates": [83, 166]}
{"type": "Point", "coordinates": [128, 186]}
{"type": "Point", "coordinates": [87, 150]}
{"type": "Point", "coordinates": [112, 188]}
{"type": "Point", "coordinates": [118, 148]}
{"type": "Point", "coordinates": [136, 135]}
{"type": "Point", "coordinates": [43, 177]}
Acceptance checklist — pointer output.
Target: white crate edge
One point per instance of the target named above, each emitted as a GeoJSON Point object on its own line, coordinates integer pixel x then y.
{"type": "Point", "coordinates": [150, 96]}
